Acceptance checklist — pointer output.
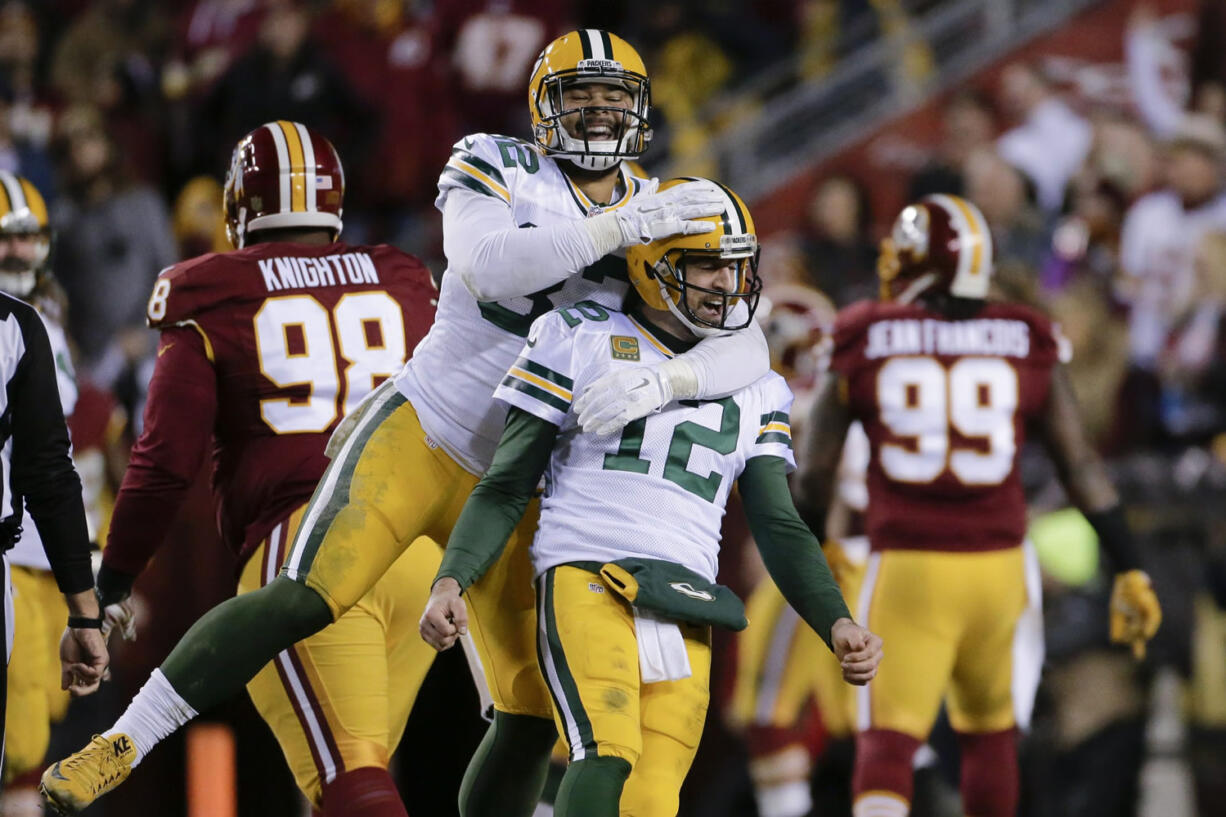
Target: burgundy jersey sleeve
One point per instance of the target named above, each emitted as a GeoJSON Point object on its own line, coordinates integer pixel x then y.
{"type": "Point", "coordinates": [178, 424]}
{"type": "Point", "coordinates": [945, 404]}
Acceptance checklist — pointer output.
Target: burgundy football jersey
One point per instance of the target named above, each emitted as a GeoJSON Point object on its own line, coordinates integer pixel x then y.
{"type": "Point", "coordinates": [263, 350]}
{"type": "Point", "coordinates": [945, 405]}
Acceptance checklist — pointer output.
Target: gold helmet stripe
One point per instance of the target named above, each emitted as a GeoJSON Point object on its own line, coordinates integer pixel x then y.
{"type": "Point", "coordinates": [279, 141]}
{"type": "Point", "coordinates": [297, 162]}
{"type": "Point", "coordinates": [13, 192]}
{"type": "Point", "coordinates": [977, 230]}
{"type": "Point", "coordinates": [308, 165]}
{"type": "Point", "coordinates": [34, 200]}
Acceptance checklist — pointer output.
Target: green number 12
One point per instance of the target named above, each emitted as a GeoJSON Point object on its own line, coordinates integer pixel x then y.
{"type": "Point", "coordinates": [685, 436]}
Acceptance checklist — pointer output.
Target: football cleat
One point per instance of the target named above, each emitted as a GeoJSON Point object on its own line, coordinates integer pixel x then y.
{"type": "Point", "coordinates": [78, 780]}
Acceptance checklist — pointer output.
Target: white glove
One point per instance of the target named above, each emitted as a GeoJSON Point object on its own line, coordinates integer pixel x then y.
{"type": "Point", "coordinates": [121, 617]}
{"type": "Point", "coordinates": [651, 216]}
{"type": "Point", "coordinates": [620, 397]}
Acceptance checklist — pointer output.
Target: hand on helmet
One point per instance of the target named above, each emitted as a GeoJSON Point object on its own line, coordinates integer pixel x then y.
{"type": "Point", "coordinates": [648, 217]}
{"type": "Point", "coordinates": [620, 397]}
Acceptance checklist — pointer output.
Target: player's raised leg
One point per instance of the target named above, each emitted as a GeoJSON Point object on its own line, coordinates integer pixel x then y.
{"type": "Point", "coordinates": [385, 487]}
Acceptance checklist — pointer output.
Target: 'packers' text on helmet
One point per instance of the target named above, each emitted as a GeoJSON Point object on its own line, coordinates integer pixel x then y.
{"type": "Point", "coordinates": [589, 56]}
{"type": "Point", "coordinates": [23, 216]}
{"type": "Point", "coordinates": [283, 174]}
{"type": "Point", "coordinates": [940, 241]}
{"type": "Point", "coordinates": [658, 269]}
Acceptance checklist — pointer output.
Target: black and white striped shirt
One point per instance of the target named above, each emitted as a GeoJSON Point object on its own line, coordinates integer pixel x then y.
{"type": "Point", "coordinates": [35, 467]}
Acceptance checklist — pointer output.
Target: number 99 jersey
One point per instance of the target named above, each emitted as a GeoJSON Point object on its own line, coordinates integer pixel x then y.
{"type": "Point", "coordinates": [945, 403]}
{"type": "Point", "coordinates": [297, 336]}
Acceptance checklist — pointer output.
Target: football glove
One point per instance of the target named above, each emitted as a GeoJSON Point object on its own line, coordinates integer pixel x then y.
{"type": "Point", "coordinates": [620, 397]}
{"type": "Point", "coordinates": [120, 617]}
{"type": "Point", "coordinates": [648, 217]}
{"type": "Point", "coordinates": [1135, 612]}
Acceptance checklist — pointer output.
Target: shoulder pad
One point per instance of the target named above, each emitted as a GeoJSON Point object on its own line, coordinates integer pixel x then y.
{"type": "Point", "coordinates": [188, 288]}
{"type": "Point", "coordinates": [488, 164]}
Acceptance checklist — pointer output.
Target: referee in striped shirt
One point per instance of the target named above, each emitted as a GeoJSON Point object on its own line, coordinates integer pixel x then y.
{"type": "Point", "coordinates": [35, 469]}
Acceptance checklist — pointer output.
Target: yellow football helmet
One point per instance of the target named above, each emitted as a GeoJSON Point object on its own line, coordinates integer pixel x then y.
{"type": "Point", "coordinates": [589, 55]}
{"type": "Point", "coordinates": [23, 213]}
{"type": "Point", "coordinates": [657, 269]}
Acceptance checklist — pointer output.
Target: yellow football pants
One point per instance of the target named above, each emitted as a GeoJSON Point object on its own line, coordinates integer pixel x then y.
{"type": "Point", "coordinates": [34, 699]}
{"type": "Point", "coordinates": [782, 665]}
{"type": "Point", "coordinates": [340, 700]}
{"type": "Point", "coordinates": [387, 486]}
{"type": "Point", "coordinates": [589, 657]}
{"type": "Point", "coordinates": [956, 623]}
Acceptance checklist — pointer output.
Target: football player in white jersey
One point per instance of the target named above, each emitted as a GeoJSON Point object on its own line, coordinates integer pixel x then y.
{"type": "Point", "coordinates": [625, 556]}
{"type": "Point", "coordinates": [528, 226]}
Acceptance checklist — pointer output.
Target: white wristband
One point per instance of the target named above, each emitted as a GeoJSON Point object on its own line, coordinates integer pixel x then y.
{"type": "Point", "coordinates": [681, 377]}
{"type": "Point", "coordinates": [606, 233]}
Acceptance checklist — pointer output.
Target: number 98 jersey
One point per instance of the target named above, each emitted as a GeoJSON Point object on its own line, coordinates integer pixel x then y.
{"type": "Point", "coordinates": [297, 336]}
{"type": "Point", "coordinates": [945, 404]}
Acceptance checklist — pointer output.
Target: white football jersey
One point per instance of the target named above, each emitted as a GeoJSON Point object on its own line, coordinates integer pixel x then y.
{"type": "Point", "coordinates": [455, 368]}
{"type": "Point", "coordinates": [657, 490]}
{"type": "Point", "coordinates": [28, 552]}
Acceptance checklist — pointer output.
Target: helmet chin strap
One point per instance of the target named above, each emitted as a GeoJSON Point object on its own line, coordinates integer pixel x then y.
{"type": "Point", "coordinates": [917, 288]}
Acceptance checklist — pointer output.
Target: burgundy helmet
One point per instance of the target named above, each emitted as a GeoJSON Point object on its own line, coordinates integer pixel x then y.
{"type": "Point", "coordinates": [940, 241]}
{"type": "Point", "coordinates": [283, 174]}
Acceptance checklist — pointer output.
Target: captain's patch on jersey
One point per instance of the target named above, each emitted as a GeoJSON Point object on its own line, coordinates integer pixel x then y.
{"type": "Point", "coordinates": [624, 347]}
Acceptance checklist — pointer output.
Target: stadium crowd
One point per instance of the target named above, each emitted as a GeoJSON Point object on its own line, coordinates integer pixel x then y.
{"type": "Point", "coordinates": [1111, 219]}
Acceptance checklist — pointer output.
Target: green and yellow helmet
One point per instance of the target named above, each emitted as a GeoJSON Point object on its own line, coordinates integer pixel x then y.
{"type": "Point", "coordinates": [589, 55]}
{"type": "Point", "coordinates": [23, 213]}
{"type": "Point", "coordinates": [657, 269]}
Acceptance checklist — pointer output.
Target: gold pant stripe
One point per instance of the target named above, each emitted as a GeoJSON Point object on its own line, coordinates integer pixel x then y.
{"type": "Point", "coordinates": [340, 699]}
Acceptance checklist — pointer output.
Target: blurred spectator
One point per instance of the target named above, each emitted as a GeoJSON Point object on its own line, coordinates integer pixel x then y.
{"type": "Point", "coordinates": [1163, 230]}
{"type": "Point", "coordinates": [199, 225]}
{"type": "Point", "coordinates": [28, 117]}
{"type": "Point", "coordinates": [1007, 202]}
{"type": "Point", "coordinates": [111, 43]}
{"type": "Point", "coordinates": [392, 57]}
{"type": "Point", "coordinates": [1192, 365]}
{"type": "Point", "coordinates": [1085, 244]}
{"type": "Point", "coordinates": [209, 36]}
{"type": "Point", "coordinates": [113, 236]}
{"type": "Point", "coordinates": [1124, 156]}
{"type": "Point", "coordinates": [968, 122]}
{"type": "Point", "coordinates": [842, 257]}
{"type": "Point", "coordinates": [1148, 54]}
{"type": "Point", "coordinates": [20, 155]}
{"type": "Point", "coordinates": [1208, 60]}
{"type": "Point", "coordinates": [1050, 140]}
{"type": "Point", "coordinates": [1100, 354]}
{"type": "Point", "coordinates": [493, 44]}
{"type": "Point", "coordinates": [285, 76]}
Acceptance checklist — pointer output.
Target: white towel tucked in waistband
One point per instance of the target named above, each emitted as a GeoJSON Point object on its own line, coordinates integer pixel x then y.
{"type": "Point", "coordinates": [662, 655]}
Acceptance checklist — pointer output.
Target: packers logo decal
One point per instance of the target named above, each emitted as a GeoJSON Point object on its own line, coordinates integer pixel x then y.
{"type": "Point", "coordinates": [624, 348]}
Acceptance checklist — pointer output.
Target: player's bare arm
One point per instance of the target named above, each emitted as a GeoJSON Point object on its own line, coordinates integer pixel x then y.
{"type": "Point", "coordinates": [817, 466]}
{"type": "Point", "coordinates": [1135, 610]}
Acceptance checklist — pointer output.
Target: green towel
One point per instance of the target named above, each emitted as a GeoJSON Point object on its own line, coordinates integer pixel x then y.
{"type": "Point", "coordinates": [676, 592]}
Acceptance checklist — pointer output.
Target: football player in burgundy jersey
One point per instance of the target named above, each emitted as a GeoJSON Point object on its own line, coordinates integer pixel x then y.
{"type": "Point", "coordinates": [263, 350]}
{"type": "Point", "coordinates": [946, 384]}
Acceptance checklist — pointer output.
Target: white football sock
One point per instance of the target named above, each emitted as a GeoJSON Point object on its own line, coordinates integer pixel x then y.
{"type": "Point", "coordinates": [790, 799]}
{"type": "Point", "coordinates": [880, 805]}
{"type": "Point", "coordinates": [155, 712]}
